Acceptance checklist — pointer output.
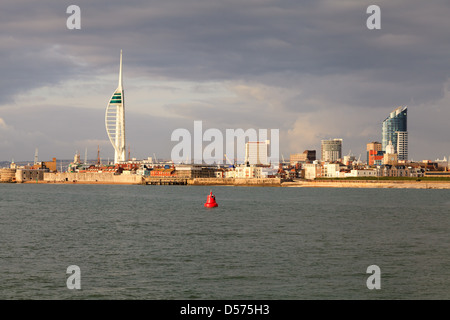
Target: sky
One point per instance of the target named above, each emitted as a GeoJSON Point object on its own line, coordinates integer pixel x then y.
{"type": "Point", "coordinates": [311, 69]}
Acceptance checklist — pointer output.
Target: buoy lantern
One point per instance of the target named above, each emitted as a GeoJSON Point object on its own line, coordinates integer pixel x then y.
{"type": "Point", "coordinates": [211, 201]}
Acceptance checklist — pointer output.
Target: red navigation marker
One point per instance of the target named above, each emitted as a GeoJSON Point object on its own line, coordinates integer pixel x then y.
{"type": "Point", "coordinates": [211, 201]}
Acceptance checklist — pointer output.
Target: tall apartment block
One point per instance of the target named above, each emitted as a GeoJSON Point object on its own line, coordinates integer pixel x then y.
{"type": "Point", "coordinates": [331, 150]}
{"type": "Point", "coordinates": [395, 129]}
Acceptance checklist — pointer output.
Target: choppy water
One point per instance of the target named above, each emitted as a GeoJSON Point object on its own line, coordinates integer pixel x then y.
{"type": "Point", "coordinates": [159, 242]}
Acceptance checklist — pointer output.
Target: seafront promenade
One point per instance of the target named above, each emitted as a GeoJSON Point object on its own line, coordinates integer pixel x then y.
{"type": "Point", "coordinates": [405, 184]}
{"type": "Point", "coordinates": [109, 178]}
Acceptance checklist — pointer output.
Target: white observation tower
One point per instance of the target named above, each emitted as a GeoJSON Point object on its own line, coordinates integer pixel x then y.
{"type": "Point", "coordinates": [115, 119]}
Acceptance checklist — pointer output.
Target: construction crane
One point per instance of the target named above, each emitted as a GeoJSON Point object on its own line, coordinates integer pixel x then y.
{"type": "Point", "coordinates": [226, 157]}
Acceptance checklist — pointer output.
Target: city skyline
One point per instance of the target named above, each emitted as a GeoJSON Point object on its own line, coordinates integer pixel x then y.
{"type": "Point", "coordinates": [311, 69]}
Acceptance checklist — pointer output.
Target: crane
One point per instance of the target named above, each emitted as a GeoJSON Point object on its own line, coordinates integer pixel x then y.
{"type": "Point", "coordinates": [226, 157]}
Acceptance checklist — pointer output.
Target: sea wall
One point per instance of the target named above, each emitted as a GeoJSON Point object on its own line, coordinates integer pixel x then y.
{"type": "Point", "coordinates": [263, 182]}
{"type": "Point", "coordinates": [92, 178]}
{"type": "Point", "coordinates": [7, 175]}
{"type": "Point", "coordinates": [370, 184]}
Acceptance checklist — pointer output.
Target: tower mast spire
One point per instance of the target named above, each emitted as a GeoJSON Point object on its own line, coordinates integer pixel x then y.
{"type": "Point", "coordinates": [115, 119]}
{"type": "Point", "coordinates": [120, 72]}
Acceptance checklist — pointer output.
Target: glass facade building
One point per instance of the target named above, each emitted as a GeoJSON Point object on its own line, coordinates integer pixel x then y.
{"type": "Point", "coordinates": [392, 126]}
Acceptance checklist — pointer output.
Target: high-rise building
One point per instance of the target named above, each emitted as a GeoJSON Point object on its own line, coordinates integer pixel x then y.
{"type": "Point", "coordinates": [402, 145]}
{"type": "Point", "coordinates": [115, 119]}
{"type": "Point", "coordinates": [331, 150]}
{"type": "Point", "coordinates": [394, 123]}
{"type": "Point", "coordinates": [256, 152]}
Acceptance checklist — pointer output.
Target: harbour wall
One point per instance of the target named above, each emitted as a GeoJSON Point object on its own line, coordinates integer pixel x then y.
{"type": "Point", "coordinates": [262, 182]}
{"type": "Point", "coordinates": [7, 175]}
{"type": "Point", "coordinates": [369, 184]}
{"type": "Point", "coordinates": [111, 178]}
{"type": "Point", "coordinates": [92, 178]}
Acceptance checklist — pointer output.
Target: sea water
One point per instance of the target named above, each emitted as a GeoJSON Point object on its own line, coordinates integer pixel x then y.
{"type": "Point", "coordinates": [160, 242]}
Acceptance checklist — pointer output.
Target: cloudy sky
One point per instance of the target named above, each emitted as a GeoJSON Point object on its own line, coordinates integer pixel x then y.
{"type": "Point", "coordinates": [311, 69]}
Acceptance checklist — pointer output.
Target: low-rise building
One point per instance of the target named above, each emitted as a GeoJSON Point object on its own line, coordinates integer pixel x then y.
{"type": "Point", "coordinates": [248, 172]}
{"type": "Point", "coordinates": [362, 173]}
{"type": "Point", "coordinates": [306, 156]}
{"type": "Point", "coordinates": [25, 175]}
{"type": "Point", "coordinates": [312, 170]}
{"type": "Point", "coordinates": [331, 170]}
{"type": "Point", "coordinates": [191, 171]}
{"type": "Point", "coordinates": [162, 172]}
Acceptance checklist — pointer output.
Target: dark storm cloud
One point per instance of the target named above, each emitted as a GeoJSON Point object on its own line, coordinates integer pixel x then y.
{"type": "Point", "coordinates": [321, 51]}
{"type": "Point", "coordinates": [204, 40]}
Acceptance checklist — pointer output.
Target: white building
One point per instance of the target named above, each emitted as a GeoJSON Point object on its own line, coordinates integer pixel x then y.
{"type": "Point", "coordinates": [362, 173]}
{"type": "Point", "coordinates": [312, 170]}
{"type": "Point", "coordinates": [256, 152]}
{"type": "Point", "coordinates": [241, 172]}
{"type": "Point", "coordinates": [331, 170]}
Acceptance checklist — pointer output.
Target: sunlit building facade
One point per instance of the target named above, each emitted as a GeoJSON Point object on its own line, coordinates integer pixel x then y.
{"type": "Point", "coordinates": [395, 126]}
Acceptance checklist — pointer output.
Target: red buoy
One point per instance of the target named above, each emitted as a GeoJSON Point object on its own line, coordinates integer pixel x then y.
{"type": "Point", "coordinates": [211, 201]}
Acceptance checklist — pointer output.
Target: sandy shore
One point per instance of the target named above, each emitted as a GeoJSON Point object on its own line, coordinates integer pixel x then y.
{"type": "Point", "coordinates": [370, 184]}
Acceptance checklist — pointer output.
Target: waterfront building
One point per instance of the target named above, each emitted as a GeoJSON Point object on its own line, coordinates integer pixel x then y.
{"type": "Point", "coordinates": [162, 172]}
{"type": "Point", "coordinates": [23, 175]}
{"type": "Point", "coordinates": [8, 174]}
{"type": "Point", "coordinates": [401, 171]}
{"type": "Point", "coordinates": [51, 165]}
{"type": "Point", "coordinates": [191, 171]}
{"type": "Point", "coordinates": [248, 172]}
{"type": "Point", "coordinates": [396, 122]}
{"type": "Point", "coordinates": [331, 170]}
{"type": "Point", "coordinates": [115, 119]}
{"type": "Point", "coordinates": [312, 170]}
{"type": "Point", "coordinates": [306, 156]}
{"type": "Point", "coordinates": [256, 152]}
{"type": "Point", "coordinates": [362, 173]}
{"type": "Point", "coordinates": [331, 150]}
